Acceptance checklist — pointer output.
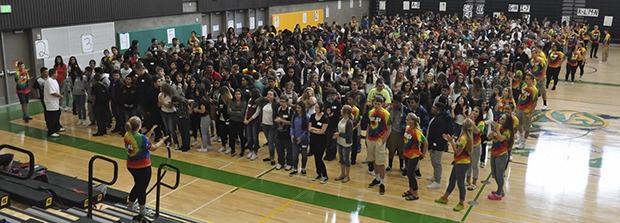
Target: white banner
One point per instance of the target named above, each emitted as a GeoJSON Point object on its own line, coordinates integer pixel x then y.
{"type": "Point", "coordinates": [382, 5]}
{"type": "Point", "coordinates": [415, 5]}
{"type": "Point", "coordinates": [479, 9]}
{"type": "Point", "coordinates": [406, 5]}
{"type": "Point", "coordinates": [525, 8]}
{"type": "Point", "coordinates": [442, 6]}
{"type": "Point", "coordinates": [587, 12]}
{"type": "Point", "coordinates": [513, 8]}
{"type": "Point", "coordinates": [608, 20]}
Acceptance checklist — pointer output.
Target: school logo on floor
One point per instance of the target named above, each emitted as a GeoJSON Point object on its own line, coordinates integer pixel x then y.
{"type": "Point", "coordinates": [581, 120]}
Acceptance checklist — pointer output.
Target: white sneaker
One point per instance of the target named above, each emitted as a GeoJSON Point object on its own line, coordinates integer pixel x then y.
{"type": "Point", "coordinates": [221, 150]}
{"type": "Point", "coordinates": [254, 157]}
{"type": "Point", "coordinates": [249, 155]}
{"type": "Point", "coordinates": [431, 178]}
{"type": "Point", "coordinates": [544, 107]}
{"type": "Point", "coordinates": [433, 185]}
{"type": "Point", "coordinates": [203, 150]}
{"type": "Point", "coordinates": [194, 143]}
{"type": "Point", "coordinates": [288, 167]}
{"type": "Point", "coordinates": [278, 167]}
{"type": "Point", "coordinates": [79, 122]}
{"type": "Point", "coordinates": [371, 172]}
{"type": "Point", "coordinates": [85, 123]}
{"type": "Point", "coordinates": [62, 129]}
{"type": "Point", "coordinates": [227, 151]}
{"type": "Point", "coordinates": [177, 147]}
{"type": "Point", "coordinates": [55, 135]}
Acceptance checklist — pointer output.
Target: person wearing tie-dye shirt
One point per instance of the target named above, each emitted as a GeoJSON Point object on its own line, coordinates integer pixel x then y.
{"type": "Point", "coordinates": [23, 90]}
{"type": "Point", "coordinates": [539, 69]}
{"type": "Point", "coordinates": [477, 116]}
{"type": "Point", "coordinates": [556, 57]}
{"type": "Point", "coordinates": [525, 109]}
{"type": "Point", "coordinates": [605, 49]}
{"type": "Point", "coordinates": [517, 79]}
{"type": "Point", "coordinates": [379, 129]}
{"type": "Point", "coordinates": [139, 149]}
{"type": "Point", "coordinates": [503, 137]}
{"type": "Point", "coordinates": [415, 146]}
{"type": "Point", "coordinates": [462, 162]}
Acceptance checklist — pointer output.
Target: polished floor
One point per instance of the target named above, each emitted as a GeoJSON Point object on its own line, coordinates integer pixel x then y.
{"type": "Point", "coordinates": [566, 173]}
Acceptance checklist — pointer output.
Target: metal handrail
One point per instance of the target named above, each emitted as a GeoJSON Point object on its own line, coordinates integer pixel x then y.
{"type": "Point", "coordinates": [91, 178]}
{"type": "Point", "coordinates": [30, 161]}
{"type": "Point", "coordinates": [159, 183]}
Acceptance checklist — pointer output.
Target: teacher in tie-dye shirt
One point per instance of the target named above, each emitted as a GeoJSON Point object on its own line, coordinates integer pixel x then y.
{"type": "Point", "coordinates": [379, 129]}
{"type": "Point", "coordinates": [139, 149]}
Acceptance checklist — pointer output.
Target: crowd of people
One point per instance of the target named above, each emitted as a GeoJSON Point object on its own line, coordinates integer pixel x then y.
{"type": "Point", "coordinates": [414, 84]}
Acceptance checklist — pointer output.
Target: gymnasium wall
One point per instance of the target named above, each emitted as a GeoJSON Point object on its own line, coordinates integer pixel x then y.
{"type": "Point", "coordinates": [340, 14]}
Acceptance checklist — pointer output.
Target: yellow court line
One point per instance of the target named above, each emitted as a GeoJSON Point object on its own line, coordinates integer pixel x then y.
{"type": "Point", "coordinates": [289, 202]}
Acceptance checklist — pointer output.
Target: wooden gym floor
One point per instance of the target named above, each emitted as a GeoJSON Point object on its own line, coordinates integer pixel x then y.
{"type": "Point", "coordinates": [566, 173]}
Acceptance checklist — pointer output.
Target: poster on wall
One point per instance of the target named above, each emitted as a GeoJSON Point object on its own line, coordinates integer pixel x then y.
{"type": "Point", "coordinates": [260, 23]}
{"type": "Point", "coordinates": [351, 4]}
{"type": "Point", "coordinates": [587, 12]}
{"type": "Point", "coordinates": [87, 43]}
{"type": "Point", "coordinates": [304, 18]}
{"type": "Point", "coordinates": [231, 24]}
{"type": "Point", "coordinates": [326, 11]}
{"type": "Point", "coordinates": [43, 49]}
{"type": "Point", "coordinates": [415, 5]}
{"type": "Point", "coordinates": [513, 8]}
{"type": "Point", "coordinates": [252, 22]}
{"type": "Point", "coordinates": [238, 25]}
{"type": "Point", "coordinates": [125, 40]}
{"type": "Point", "coordinates": [205, 30]}
{"type": "Point", "coordinates": [566, 19]}
{"type": "Point", "coordinates": [525, 8]}
{"type": "Point", "coordinates": [442, 6]}
{"type": "Point", "coordinates": [276, 21]}
{"type": "Point", "coordinates": [479, 9]}
{"type": "Point", "coordinates": [467, 10]}
{"type": "Point", "coordinates": [526, 17]}
{"type": "Point", "coordinates": [382, 5]}
{"type": "Point", "coordinates": [317, 16]}
{"type": "Point", "coordinates": [496, 14]}
{"type": "Point", "coordinates": [608, 20]}
{"type": "Point", "coordinates": [170, 34]}
{"type": "Point", "coordinates": [406, 5]}
{"type": "Point", "coordinates": [216, 28]}
{"type": "Point", "coordinates": [360, 4]}
{"type": "Point", "coordinates": [339, 4]}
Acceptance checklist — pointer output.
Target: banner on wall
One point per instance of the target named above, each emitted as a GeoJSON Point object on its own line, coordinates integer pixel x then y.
{"type": "Point", "coordinates": [525, 8]}
{"type": "Point", "coordinates": [513, 8]}
{"type": "Point", "coordinates": [565, 19]}
{"type": "Point", "coordinates": [406, 5]}
{"type": "Point", "coordinates": [467, 10]}
{"type": "Point", "coordinates": [608, 20]}
{"type": "Point", "coordinates": [587, 12]}
{"type": "Point", "coordinates": [415, 5]}
{"type": "Point", "coordinates": [479, 9]}
{"type": "Point", "coordinates": [496, 14]}
{"type": "Point", "coordinates": [442, 6]}
{"type": "Point", "coordinates": [381, 5]}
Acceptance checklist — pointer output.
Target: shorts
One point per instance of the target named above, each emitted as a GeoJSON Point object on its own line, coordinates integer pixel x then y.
{"type": "Point", "coordinates": [23, 98]}
{"type": "Point", "coordinates": [5, 159]}
{"type": "Point", "coordinates": [540, 84]}
{"type": "Point", "coordinates": [376, 152]}
{"type": "Point", "coordinates": [525, 121]}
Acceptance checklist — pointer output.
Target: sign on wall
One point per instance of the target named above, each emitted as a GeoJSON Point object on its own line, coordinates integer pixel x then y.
{"type": "Point", "coordinates": [587, 12]}
{"type": "Point", "coordinates": [513, 8]}
{"type": "Point", "coordinates": [479, 9]}
{"type": "Point", "coordinates": [124, 38]}
{"type": "Point", "coordinates": [525, 8]}
{"type": "Point", "coordinates": [87, 43]}
{"type": "Point", "coordinates": [406, 5]}
{"type": "Point", "coordinates": [565, 19]}
{"type": "Point", "coordinates": [467, 10]}
{"type": "Point", "coordinates": [442, 6]}
{"type": "Point", "coordinates": [381, 5]}
{"type": "Point", "coordinates": [608, 20]}
{"type": "Point", "coordinates": [496, 14]}
{"type": "Point", "coordinates": [415, 5]}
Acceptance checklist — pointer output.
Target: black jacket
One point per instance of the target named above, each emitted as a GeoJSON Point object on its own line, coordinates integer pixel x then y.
{"type": "Point", "coordinates": [438, 126]}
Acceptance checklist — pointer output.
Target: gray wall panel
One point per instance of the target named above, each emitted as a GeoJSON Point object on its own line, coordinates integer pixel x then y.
{"type": "Point", "coordinates": [156, 22]}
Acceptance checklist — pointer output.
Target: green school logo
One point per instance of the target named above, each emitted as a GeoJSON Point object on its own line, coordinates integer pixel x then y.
{"type": "Point", "coordinates": [581, 120]}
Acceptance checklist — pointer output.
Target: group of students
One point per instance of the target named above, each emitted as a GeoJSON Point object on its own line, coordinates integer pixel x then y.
{"type": "Point", "coordinates": [416, 84]}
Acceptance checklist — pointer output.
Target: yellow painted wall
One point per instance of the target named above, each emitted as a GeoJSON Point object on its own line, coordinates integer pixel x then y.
{"type": "Point", "coordinates": [288, 21]}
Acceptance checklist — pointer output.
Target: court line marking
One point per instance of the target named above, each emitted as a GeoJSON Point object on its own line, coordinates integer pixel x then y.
{"type": "Point", "coordinates": [172, 191]}
{"type": "Point", "coordinates": [286, 204]}
{"type": "Point", "coordinates": [475, 199]}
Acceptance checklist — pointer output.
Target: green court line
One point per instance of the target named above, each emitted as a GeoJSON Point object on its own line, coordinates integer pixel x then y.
{"type": "Point", "coordinates": [348, 205]}
{"type": "Point", "coordinates": [476, 198]}
{"type": "Point", "coordinates": [597, 83]}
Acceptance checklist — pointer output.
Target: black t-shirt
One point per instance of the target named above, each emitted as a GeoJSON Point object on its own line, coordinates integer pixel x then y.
{"type": "Point", "coordinates": [284, 130]}
{"type": "Point", "coordinates": [102, 96]}
{"type": "Point", "coordinates": [334, 117]}
{"type": "Point", "coordinates": [318, 123]}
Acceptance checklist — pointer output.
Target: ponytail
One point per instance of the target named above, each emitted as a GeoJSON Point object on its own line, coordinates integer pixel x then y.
{"type": "Point", "coordinates": [133, 124]}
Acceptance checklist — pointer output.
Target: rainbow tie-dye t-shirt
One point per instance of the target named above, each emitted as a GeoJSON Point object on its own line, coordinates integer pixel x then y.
{"type": "Point", "coordinates": [478, 137]}
{"type": "Point", "coordinates": [501, 147]}
{"type": "Point", "coordinates": [538, 64]}
{"type": "Point", "coordinates": [21, 85]}
{"type": "Point", "coordinates": [413, 139]}
{"type": "Point", "coordinates": [517, 80]}
{"type": "Point", "coordinates": [555, 59]}
{"type": "Point", "coordinates": [527, 99]}
{"type": "Point", "coordinates": [380, 123]}
{"type": "Point", "coordinates": [355, 112]}
{"type": "Point", "coordinates": [464, 157]}
{"type": "Point", "coordinates": [137, 146]}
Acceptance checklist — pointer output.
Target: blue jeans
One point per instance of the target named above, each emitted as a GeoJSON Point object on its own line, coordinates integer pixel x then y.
{"type": "Point", "coordinates": [170, 125]}
{"type": "Point", "coordinates": [205, 123]}
{"type": "Point", "coordinates": [270, 134]}
{"type": "Point", "coordinates": [251, 132]}
{"type": "Point", "coordinates": [297, 148]}
{"type": "Point", "coordinates": [80, 105]}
